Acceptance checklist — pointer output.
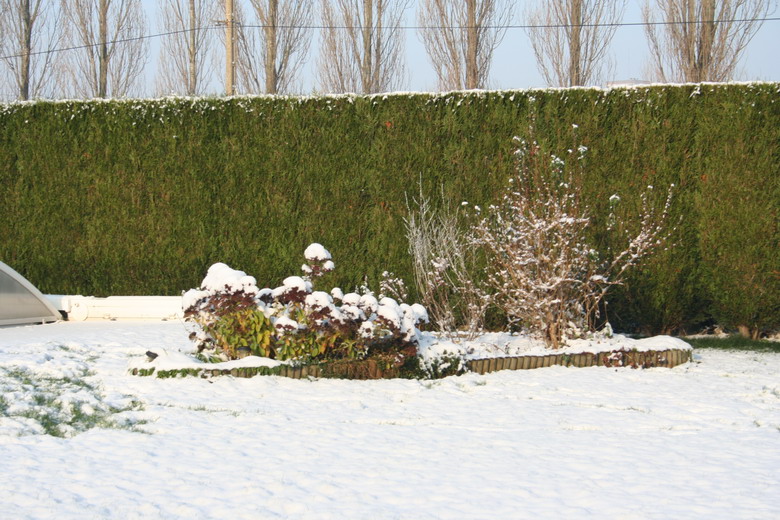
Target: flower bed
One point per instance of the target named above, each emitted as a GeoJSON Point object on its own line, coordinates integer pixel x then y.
{"type": "Point", "coordinates": [298, 332]}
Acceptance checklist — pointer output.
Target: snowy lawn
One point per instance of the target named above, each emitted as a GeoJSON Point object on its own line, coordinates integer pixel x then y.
{"type": "Point", "coordinates": [698, 441]}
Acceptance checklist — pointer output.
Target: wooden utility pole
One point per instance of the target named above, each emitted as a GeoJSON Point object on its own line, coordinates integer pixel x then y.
{"type": "Point", "coordinates": [230, 47]}
{"type": "Point", "coordinates": [575, 44]}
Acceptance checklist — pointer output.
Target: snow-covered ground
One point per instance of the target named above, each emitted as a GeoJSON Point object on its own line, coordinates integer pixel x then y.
{"type": "Point", "coordinates": [701, 440]}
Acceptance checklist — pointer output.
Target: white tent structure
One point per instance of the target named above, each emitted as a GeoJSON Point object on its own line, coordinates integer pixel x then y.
{"type": "Point", "coordinates": [21, 302]}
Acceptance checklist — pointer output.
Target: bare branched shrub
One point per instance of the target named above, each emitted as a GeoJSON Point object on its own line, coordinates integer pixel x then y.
{"type": "Point", "coordinates": [391, 286]}
{"type": "Point", "coordinates": [445, 259]}
{"type": "Point", "coordinates": [546, 275]}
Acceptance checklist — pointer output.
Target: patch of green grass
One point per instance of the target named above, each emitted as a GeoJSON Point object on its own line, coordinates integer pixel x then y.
{"type": "Point", "coordinates": [202, 408]}
{"type": "Point", "coordinates": [63, 417]}
{"type": "Point", "coordinates": [48, 419]}
{"type": "Point", "coordinates": [735, 342]}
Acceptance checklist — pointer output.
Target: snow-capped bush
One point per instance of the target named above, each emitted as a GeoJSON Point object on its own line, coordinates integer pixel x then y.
{"type": "Point", "coordinates": [220, 279]}
{"type": "Point", "coordinates": [293, 321]}
{"type": "Point", "coordinates": [319, 261]}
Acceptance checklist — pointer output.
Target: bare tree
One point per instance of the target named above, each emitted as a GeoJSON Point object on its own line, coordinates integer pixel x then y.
{"type": "Point", "coordinates": [570, 38]}
{"type": "Point", "coordinates": [111, 52]}
{"type": "Point", "coordinates": [460, 38]}
{"type": "Point", "coordinates": [185, 65]}
{"type": "Point", "coordinates": [31, 30]}
{"type": "Point", "coordinates": [270, 58]}
{"type": "Point", "coordinates": [701, 40]}
{"type": "Point", "coordinates": [361, 48]}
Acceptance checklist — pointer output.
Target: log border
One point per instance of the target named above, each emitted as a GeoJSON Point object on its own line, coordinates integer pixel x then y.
{"type": "Point", "coordinates": [370, 369]}
{"type": "Point", "coordinates": [618, 358]}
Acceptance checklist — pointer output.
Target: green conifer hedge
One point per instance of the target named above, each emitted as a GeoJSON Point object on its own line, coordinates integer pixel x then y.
{"type": "Point", "coordinates": [141, 196]}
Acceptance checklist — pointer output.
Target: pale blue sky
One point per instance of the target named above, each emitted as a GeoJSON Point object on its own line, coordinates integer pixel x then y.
{"type": "Point", "coordinates": [514, 66]}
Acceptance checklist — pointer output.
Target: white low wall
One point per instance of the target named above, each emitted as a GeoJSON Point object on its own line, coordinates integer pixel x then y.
{"type": "Point", "coordinates": [82, 308]}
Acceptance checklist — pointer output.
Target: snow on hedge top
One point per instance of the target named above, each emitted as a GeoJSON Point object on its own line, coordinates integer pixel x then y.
{"type": "Point", "coordinates": [316, 253]}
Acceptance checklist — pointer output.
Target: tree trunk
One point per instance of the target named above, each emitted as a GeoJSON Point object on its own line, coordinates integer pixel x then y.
{"type": "Point", "coordinates": [192, 72]}
{"type": "Point", "coordinates": [367, 66]}
{"type": "Point", "coordinates": [706, 41]}
{"type": "Point", "coordinates": [375, 74]}
{"type": "Point", "coordinates": [103, 49]}
{"type": "Point", "coordinates": [24, 74]}
{"type": "Point", "coordinates": [749, 332]}
{"type": "Point", "coordinates": [472, 43]}
{"type": "Point", "coordinates": [271, 40]}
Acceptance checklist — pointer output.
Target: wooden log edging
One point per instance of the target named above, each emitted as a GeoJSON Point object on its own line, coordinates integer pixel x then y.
{"type": "Point", "coordinates": [619, 358]}
{"type": "Point", "coordinates": [370, 369]}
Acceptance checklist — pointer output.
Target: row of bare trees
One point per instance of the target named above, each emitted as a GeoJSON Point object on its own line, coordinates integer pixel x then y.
{"type": "Point", "coordinates": [82, 48]}
{"type": "Point", "coordinates": [98, 48]}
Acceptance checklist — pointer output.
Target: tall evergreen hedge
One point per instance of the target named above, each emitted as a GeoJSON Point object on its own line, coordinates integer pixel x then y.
{"type": "Point", "coordinates": [141, 196]}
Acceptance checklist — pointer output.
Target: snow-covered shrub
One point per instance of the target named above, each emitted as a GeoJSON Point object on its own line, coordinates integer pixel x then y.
{"type": "Point", "coordinates": [445, 261]}
{"type": "Point", "coordinates": [319, 261]}
{"type": "Point", "coordinates": [225, 308]}
{"type": "Point", "coordinates": [546, 275]}
{"type": "Point", "coordinates": [294, 321]}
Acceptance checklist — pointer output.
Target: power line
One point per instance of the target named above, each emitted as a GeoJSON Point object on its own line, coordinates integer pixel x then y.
{"type": "Point", "coordinates": [112, 42]}
{"type": "Point", "coordinates": [527, 26]}
{"type": "Point", "coordinates": [402, 27]}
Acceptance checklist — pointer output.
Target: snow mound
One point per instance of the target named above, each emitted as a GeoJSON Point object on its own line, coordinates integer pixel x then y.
{"type": "Point", "coordinates": [503, 344]}
{"type": "Point", "coordinates": [319, 300]}
{"type": "Point", "coordinates": [316, 253]}
{"type": "Point", "coordinates": [218, 278]}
